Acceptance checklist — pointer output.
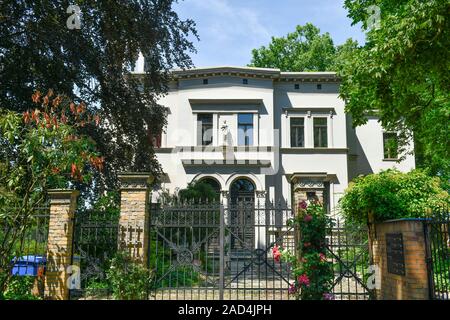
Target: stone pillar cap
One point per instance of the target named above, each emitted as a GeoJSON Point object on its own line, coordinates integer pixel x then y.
{"type": "Point", "coordinates": [135, 180]}
{"type": "Point", "coordinates": [62, 193]}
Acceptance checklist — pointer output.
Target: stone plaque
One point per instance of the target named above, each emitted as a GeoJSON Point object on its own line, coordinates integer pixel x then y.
{"type": "Point", "coordinates": [395, 254]}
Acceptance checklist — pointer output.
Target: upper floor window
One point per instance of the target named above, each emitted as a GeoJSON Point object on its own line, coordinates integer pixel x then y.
{"type": "Point", "coordinates": [245, 129]}
{"type": "Point", "coordinates": [155, 139]}
{"type": "Point", "coordinates": [205, 129]}
{"type": "Point", "coordinates": [390, 145]}
{"type": "Point", "coordinates": [205, 81]}
{"type": "Point", "coordinates": [297, 132]}
{"type": "Point", "coordinates": [320, 133]}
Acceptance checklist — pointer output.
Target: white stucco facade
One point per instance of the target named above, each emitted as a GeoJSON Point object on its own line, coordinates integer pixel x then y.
{"type": "Point", "coordinates": [269, 160]}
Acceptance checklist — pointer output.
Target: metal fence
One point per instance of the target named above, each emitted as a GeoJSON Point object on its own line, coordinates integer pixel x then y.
{"type": "Point", "coordinates": [94, 244]}
{"type": "Point", "coordinates": [349, 251]}
{"type": "Point", "coordinates": [438, 245]}
{"type": "Point", "coordinates": [212, 251]}
{"type": "Point", "coordinates": [25, 248]}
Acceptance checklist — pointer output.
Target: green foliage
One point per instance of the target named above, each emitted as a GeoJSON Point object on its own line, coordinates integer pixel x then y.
{"type": "Point", "coordinates": [198, 192]}
{"type": "Point", "coordinates": [391, 195]}
{"type": "Point", "coordinates": [305, 49]}
{"type": "Point", "coordinates": [19, 288]}
{"type": "Point", "coordinates": [129, 279]}
{"type": "Point", "coordinates": [93, 64]}
{"type": "Point", "coordinates": [40, 149]}
{"type": "Point", "coordinates": [313, 271]}
{"type": "Point", "coordinates": [401, 73]}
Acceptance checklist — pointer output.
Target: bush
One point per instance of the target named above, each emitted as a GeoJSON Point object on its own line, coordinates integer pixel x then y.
{"type": "Point", "coordinates": [313, 272]}
{"type": "Point", "coordinates": [129, 279]}
{"type": "Point", "coordinates": [19, 288]}
{"type": "Point", "coordinates": [392, 194]}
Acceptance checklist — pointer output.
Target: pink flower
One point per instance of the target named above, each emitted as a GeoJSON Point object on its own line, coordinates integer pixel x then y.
{"type": "Point", "coordinates": [302, 205]}
{"type": "Point", "coordinates": [303, 280]}
{"type": "Point", "coordinates": [308, 218]}
{"type": "Point", "coordinates": [276, 253]}
{"type": "Point", "coordinates": [292, 289]}
{"type": "Point", "coordinates": [328, 296]}
{"type": "Point", "coordinates": [322, 257]}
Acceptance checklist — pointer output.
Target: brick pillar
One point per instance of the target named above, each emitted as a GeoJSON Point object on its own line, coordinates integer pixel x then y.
{"type": "Point", "coordinates": [59, 246]}
{"type": "Point", "coordinates": [134, 214]}
{"type": "Point", "coordinates": [413, 284]}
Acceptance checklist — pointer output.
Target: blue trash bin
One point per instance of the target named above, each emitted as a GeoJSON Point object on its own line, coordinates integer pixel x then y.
{"type": "Point", "coordinates": [28, 265]}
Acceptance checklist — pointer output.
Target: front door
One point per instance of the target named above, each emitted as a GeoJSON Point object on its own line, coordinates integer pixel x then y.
{"type": "Point", "coordinates": [242, 214]}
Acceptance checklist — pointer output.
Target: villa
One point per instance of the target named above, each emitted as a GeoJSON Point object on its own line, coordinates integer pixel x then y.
{"type": "Point", "coordinates": [259, 134]}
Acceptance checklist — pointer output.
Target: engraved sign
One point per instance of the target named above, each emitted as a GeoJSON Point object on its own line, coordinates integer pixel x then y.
{"type": "Point", "coordinates": [395, 254]}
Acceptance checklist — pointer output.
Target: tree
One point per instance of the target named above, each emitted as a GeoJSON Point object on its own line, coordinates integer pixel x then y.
{"type": "Point", "coordinates": [305, 49]}
{"type": "Point", "coordinates": [40, 149]}
{"type": "Point", "coordinates": [92, 64]}
{"type": "Point", "coordinates": [198, 192]}
{"type": "Point", "coordinates": [401, 74]}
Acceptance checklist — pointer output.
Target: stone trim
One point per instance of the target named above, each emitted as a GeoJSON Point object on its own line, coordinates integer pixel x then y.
{"type": "Point", "coordinates": [222, 162]}
{"type": "Point", "coordinates": [135, 180]}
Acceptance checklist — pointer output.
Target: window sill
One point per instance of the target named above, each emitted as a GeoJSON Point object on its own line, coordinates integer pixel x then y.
{"type": "Point", "coordinates": [391, 160]}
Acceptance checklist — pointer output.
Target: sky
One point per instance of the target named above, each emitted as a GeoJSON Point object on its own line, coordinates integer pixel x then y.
{"type": "Point", "coordinates": [230, 29]}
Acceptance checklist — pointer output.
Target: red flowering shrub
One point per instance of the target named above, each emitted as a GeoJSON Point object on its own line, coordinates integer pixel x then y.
{"type": "Point", "coordinates": [312, 271]}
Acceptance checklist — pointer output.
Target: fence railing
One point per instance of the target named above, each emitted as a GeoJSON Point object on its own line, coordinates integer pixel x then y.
{"type": "Point", "coordinates": [23, 240]}
{"type": "Point", "coordinates": [438, 238]}
{"type": "Point", "coordinates": [94, 244]}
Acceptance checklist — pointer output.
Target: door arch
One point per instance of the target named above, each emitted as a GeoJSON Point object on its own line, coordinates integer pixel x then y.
{"type": "Point", "coordinates": [242, 190]}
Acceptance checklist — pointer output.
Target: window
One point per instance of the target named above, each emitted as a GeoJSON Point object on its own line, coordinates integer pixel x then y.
{"type": "Point", "coordinates": [390, 145]}
{"type": "Point", "coordinates": [319, 87]}
{"type": "Point", "coordinates": [297, 132]}
{"type": "Point", "coordinates": [205, 81]}
{"type": "Point", "coordinates": [320, 133]}
{"type": "Point", "coordinates": [155, 139]}
{"type": "Point", "coordinates": [205, 129]}
{"type": "Point", "coordinates": [245, 129]}
{"type": "Point", "coordinates": [245, 81]}
{"type": "Point", "coordinates": [296, 86]}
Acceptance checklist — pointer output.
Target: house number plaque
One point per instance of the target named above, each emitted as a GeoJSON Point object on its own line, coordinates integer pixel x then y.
{"type": "Point", "coordinates": [395, 254]}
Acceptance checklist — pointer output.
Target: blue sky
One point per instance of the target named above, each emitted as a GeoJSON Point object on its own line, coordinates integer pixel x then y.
{"type": "Point", "coordinates": [230, 29]}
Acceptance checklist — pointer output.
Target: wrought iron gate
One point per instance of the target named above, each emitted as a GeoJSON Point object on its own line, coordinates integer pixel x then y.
{"type": "Point", "coordinates": [216, 251]}
{"type": "Point", "coordinates": [94, 244]}
{"type": "Point", "coordinates": [348, 247]}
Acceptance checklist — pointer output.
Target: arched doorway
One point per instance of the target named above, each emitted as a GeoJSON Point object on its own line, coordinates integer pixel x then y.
{"type": "Point", "coordinates": [242, 190]}
{"type": "Point", "coordinates": [242, 197]}
{"type": "Point", "coordinates": [214, 184]}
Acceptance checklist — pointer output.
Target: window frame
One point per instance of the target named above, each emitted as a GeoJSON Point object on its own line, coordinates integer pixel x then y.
{"type": "Point", "coordinates": [201, 129]}
{"type": "Point", "coordinates": [322, 136]}
{"type": "Point", "coordinates": [386, 152]}
{"type": "Point", "coordinates": [292, 126]}
{"type": "Point", "coordinates": [247, 126]}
